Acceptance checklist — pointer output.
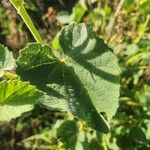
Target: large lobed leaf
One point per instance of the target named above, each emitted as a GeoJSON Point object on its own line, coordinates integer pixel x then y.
{"type": "Point", "coordinates": [81, 78]}
{"type": "Point", "coordinates": [16, 97]}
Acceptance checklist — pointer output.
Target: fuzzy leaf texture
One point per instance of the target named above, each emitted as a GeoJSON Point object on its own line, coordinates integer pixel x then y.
{"type": "Point", "coordinates": [81, 76]}
{"type": "Point", "coordinates": [16, 97]}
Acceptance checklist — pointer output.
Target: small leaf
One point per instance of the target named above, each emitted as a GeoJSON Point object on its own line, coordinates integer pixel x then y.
{"type": "Point", "coordinates": [138, 134]}
{"type": "Point", "coordinates": [7, 62]}
{"type": "Point", "coordinates": [16, 97]}
{"type": "Point", "coordinates": [83, 79]}
{"type": "Point", "coordinates": [34, 55]}
{"type": "Point", "coordinates": [78, 13]}
{"type": "Point", "coordinates": [63, 17]}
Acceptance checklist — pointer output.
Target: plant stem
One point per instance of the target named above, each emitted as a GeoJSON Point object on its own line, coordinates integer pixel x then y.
{"type": "Point", "coordinates": [112, 21]}
{"type": "Point", "coordinates": [142, 29]}
{"type": "Point", "coordinates": [18, 4]}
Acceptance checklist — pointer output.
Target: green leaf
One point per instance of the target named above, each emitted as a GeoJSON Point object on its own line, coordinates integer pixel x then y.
{"type": "Point", "coordinates": [69, 138]}
{"type": "Point", "coordinates": [16, 97]}
{"type": "Point", "coordinates": [82, 78]}
{"type": "Point", "coordinates": [7, 61]}
{"type": "Point", "coordinates": [35, 55]}
{"type": "Point", "coordinates": [138, 134]}
{"type": "Point", "coordinates": [129, 4]}
{"type": "Point", "coordinates": [144, 96]}
{"type": "Point", "coordinates": [78, 13]}
{"type": "Point", "coordinates": [94, 64]}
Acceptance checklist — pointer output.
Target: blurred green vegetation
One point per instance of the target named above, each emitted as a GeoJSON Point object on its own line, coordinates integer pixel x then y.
{"type": "Point", "coordinates": [124, 25]}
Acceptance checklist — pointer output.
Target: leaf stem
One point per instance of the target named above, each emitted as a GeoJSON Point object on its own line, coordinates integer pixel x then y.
{"type": "Point", "coordinates": [19, 5]}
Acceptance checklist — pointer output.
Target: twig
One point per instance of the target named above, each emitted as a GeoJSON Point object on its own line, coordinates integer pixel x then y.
{"type": "Point", "coordinates": [112, 21]}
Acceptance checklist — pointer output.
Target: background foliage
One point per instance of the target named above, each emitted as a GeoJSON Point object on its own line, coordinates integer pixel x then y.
{"type": "Point", "coordinates": [124, 25]}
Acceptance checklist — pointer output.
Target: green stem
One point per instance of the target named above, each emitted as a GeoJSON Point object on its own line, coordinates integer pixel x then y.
{"type": "Point", "coordinates": [18, 4]}
{"type": "Point", "coordinates": [142, 29]}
